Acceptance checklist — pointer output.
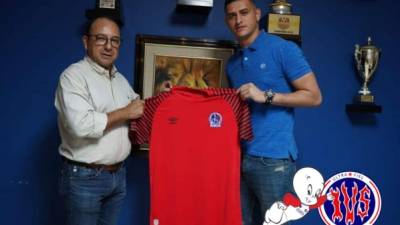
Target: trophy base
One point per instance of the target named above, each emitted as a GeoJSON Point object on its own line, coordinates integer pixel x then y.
{"type": "Point", "coordinates": [364, 99]}
{"type": "Point", "coordinates": [287, 26]}
{"type": "Point", "coordinates": [359, 107]}
{"type": "Point", "coordinates": [363, 104]}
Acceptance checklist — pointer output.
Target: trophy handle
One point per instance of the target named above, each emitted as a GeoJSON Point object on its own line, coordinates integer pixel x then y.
{"type": "Point", "coordinates": [366, 59]}
{"type": "Point", "coordinates": [357, 56]}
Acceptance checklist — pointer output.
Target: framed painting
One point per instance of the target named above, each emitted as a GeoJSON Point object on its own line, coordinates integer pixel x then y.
{"type": "Point", "coordinates": [180, 61]}
{"type": "Point", "coordinates": [195, 63]}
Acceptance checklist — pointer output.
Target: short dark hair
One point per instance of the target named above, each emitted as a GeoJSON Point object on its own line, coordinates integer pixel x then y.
{"type": "Point", "coordinates": [227, 2]}
{"type": "Point", "coordinates": [89, 23]}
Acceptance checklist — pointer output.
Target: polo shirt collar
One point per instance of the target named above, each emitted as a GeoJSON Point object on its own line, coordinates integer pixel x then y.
{"type": "Point", "coordinates": [259, 42]}
{"type": "Point", "coordinates": [101, 70]}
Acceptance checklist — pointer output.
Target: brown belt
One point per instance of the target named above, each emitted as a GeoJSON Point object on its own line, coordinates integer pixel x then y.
{"type": "Point", "coordinates": [111, 168]}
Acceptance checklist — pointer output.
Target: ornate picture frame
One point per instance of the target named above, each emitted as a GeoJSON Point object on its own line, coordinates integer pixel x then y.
{"type": "Point", "coordinates": [186, 62]}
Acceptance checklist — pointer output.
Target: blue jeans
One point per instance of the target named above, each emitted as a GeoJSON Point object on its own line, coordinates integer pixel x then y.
{"type": "Point", "coordinates": [263, 182]}
{"type": "Point", "coordinates": [92, 196]}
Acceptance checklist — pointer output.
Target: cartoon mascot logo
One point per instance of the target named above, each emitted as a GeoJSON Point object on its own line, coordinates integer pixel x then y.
{"type": "Point", "coordinates": [308, 184]}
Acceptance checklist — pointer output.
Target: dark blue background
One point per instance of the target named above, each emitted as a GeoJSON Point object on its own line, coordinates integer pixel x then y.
{"type": "Point", "coordinates": [40, 38]}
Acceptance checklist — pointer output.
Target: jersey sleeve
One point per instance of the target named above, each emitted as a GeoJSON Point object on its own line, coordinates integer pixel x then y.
{"type": "Point", "coordinates": [140, 129]}
{"type": "Point", "coordinates": [241, 111]}
{"type": "Point", "coordinates": [244, 122]}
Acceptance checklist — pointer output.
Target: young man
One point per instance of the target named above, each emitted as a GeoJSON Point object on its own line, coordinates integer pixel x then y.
{"type": "Point", "coordinates": [274, 77]}
{"type": "Point", "coordinates": [94, 103]}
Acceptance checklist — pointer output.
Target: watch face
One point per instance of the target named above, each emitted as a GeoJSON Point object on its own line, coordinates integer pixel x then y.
{"type": "Point", "coordinates": [269, 95]}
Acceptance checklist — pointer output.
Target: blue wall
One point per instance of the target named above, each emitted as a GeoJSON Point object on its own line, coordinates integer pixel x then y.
{"type": "Point", "coordinates": [41, 38]}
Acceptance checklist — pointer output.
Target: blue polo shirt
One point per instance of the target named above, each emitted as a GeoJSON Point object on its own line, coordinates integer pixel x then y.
{"type": "Point", "coordinates": [270, 62]}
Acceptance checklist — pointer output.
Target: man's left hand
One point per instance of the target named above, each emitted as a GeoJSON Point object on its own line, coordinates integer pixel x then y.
{"type": "Point", "coordinates": [166, 86]}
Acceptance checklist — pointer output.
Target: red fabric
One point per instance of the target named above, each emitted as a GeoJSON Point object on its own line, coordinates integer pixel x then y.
{"type": "Point", "coordinates": [194, 167]}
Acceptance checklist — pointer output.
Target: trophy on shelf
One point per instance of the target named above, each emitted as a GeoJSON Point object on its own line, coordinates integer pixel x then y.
{"type": "Point", "coordinates": [282, 22]}
{"type": "Point", "coordinates": [366, 59]}
{"type": "Point", "coordinates": [107, 8]}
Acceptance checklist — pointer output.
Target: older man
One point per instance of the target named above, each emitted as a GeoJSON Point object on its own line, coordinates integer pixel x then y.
{"type": "Point", "coordinates": [94, 103]}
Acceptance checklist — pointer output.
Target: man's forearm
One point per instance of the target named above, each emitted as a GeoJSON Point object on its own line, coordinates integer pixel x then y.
{"type": "Point", "coordinates": [300, 98]}
{"type": "Point", "coordinates": [132, 111]}
{"type": "Point", "coordinates": [116, 117]}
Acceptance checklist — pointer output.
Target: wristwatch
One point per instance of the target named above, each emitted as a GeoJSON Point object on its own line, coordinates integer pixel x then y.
{"type": "Point", "coordinates": [269, 96]}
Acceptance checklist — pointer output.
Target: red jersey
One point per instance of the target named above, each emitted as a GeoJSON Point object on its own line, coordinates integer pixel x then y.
{"type": "Point", "coordinates": [194, 155]}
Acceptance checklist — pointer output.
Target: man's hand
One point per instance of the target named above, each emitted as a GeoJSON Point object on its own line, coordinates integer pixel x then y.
{"type": "Point", "coordinates": [135, 109]}
{"type": "Point", "coordinates": [251, 91]}
{"type": "Point", "coordinates": [166, 86]}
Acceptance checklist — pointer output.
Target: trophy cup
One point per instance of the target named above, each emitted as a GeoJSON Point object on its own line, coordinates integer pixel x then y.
{"type": "Point", "coordinates": [281, 7]}
{"type": "Point", "coordinates": [366, 59]}
{"type": "Point", "coordinates": [282, 22]}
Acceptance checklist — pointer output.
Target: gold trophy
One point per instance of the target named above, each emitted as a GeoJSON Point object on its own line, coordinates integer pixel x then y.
{"type": "Point", "coordinates": [281, 7]}
{"type": "Point", "coordinates": [282, 22]}
{"type": "Point", "coordinates": [366, 58]}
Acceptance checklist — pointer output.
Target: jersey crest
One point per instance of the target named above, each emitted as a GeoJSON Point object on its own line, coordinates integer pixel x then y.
{"type": "Point", "coordinates": [215, 120]}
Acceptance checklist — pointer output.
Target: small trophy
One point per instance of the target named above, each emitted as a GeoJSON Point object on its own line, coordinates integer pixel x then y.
{"type": "Point", "coordinates": [282, 22]}
{"type": "Point", "coordinates": [108, 8]}
{"type": "Point", "coordinates": [106, 4]}
{"type": "Point", "coordinates": [366, 59]}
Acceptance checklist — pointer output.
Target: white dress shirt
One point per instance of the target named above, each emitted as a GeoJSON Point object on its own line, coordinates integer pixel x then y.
{"type": "Point", "coordinates": [85, 94]}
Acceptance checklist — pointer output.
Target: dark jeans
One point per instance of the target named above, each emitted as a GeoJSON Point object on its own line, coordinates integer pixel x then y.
{"type": "Point", "coordinates": [264, 181]}
{"type": "Point", "coordinates": [92, 196]}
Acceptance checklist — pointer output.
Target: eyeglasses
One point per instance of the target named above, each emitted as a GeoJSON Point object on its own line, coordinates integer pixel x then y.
{"type": "Point", "coordinates": [101, 39]}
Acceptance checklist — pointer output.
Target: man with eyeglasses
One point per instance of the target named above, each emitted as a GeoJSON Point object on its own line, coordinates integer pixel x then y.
{"type": "Point", "coordinates": [94, 103]}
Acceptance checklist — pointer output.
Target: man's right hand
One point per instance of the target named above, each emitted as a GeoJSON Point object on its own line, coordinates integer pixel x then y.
{"type": "Point", "coordinates": [132, 111]}
{"type": "Point", "coordinates": [135, 109]}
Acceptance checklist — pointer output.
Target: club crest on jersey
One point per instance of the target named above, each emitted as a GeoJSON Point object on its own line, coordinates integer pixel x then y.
{"type": "Point", "coordinates": [356, 200]}
{"type": "Point", "coordinates": [215, 120]}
